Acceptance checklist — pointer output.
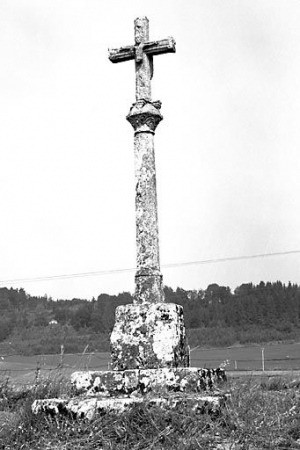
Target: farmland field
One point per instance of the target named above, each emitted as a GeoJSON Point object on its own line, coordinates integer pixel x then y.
{"type": "Point", "coordinates": [23, 369]}
{"type": "Point", "coordinates": [277, 356]}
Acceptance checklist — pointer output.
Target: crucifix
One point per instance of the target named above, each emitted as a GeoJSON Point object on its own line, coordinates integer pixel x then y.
{"type": "Point", "coordinates": [142, 52]}
{"type": "Point", "coordinates": [144, 116]}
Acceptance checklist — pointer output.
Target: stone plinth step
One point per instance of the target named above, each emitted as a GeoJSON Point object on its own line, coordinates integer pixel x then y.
{"type": "Point", "coordinates": [82, 407]}
{"type": "Point", "coordinates": [142, 381]}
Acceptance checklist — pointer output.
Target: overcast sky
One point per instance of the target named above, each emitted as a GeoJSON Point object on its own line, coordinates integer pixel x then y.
{"type": "Point", "coordinates": [227, 151]}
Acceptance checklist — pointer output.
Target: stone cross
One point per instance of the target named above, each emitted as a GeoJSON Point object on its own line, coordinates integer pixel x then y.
{"type": "Point", "coordinates": [144, 116]}
{"type": "Point", "coordinates": [142, 52]}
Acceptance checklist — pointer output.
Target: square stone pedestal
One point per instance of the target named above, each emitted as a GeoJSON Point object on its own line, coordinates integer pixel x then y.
{"type": "Point", "coordinates": [150, 362]}
{"type": "Point", "coordinates": [148, 336]}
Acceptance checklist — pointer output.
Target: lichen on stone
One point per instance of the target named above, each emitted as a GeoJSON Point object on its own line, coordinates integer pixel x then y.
{"type": "Point", "coordinates": [149, 335]}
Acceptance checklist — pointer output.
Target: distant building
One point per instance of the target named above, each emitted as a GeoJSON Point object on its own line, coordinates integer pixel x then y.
{"type": "Point", "coordinates": [53, 322]}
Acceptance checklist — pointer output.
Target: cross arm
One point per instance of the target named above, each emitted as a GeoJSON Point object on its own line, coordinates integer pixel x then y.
{"type": "Point", "coordinates": [121, 54]}
{"type": "Point", "coordinates": [151, 48]}
{"type": "Point", "coordinates": [159, 47]}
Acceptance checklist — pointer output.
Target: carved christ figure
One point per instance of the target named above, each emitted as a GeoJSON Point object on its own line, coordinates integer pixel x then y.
{"type": "Point", "coordinates": [142, 52]}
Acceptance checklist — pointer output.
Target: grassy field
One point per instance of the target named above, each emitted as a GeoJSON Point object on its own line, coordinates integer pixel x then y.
{"type": "Point", "coordinates": [24, 369]}
{"type": "Point", "coordinates": [277, 356]}
{"type": "Point", "coordinates": [261, 412]}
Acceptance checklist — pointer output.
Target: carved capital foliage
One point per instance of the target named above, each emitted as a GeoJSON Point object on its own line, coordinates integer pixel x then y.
{"type": "Point", "coordinates": [144, 122]}
{"type": "Point", "coordinates": [145, 116]}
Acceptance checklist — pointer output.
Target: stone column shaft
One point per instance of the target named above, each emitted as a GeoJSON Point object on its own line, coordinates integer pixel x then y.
{"type": "Point", "coordinates": [148, 278]}
{"type": "Point", "coordinates": [144, 116]}
{"type": "Point", "coordinates": [146, 204]}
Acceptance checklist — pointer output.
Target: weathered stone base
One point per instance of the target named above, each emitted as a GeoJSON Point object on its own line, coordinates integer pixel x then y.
{"type": "Point", "coordinates": [149, 335]}
{"type": "Point", "coordinates": [79, 407]}
{"type": "Point", "coordinates": [140, 382]}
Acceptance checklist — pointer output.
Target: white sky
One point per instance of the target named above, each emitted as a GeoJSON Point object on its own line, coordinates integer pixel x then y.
{"type": "Point", "coordinates": [227, 152]}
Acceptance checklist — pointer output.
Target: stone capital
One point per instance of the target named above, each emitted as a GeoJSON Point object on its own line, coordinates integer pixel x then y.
{"type": "Point", "coordinates": [144, 116]}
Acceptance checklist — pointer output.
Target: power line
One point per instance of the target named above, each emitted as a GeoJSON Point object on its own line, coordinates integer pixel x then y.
{"type": "Point", "coordinates": [165, 266]}
{"type": "Point", "coordinates": [67, 276]}
{"type": "Point", "coordinates": [231, 258]}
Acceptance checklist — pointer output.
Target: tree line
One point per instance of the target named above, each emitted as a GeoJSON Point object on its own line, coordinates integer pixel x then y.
{"type": "Point", "coordinates": [214, 316]}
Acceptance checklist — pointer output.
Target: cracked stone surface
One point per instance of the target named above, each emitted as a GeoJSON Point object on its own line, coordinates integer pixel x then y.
{"type": "Point", "coordinates": [141, 382]}
{"type": "Point", "coordinates": [101, 392]}
{"type": "Point", "coordinates": [150, 335]}
{"type": "Point", "coordinates": [89, 407]}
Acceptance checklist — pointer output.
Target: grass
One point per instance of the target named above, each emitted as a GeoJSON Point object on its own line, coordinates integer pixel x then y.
{"type": "Point", "coordinates": [260, 414]}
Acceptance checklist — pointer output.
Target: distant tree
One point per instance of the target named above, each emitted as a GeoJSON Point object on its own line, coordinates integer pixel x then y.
{"type": "Point", "coordinates": [82, 316]}
{"type": "Point", "coordinates": [41, 316]}
{"type": "Point", "coordinates": [6, 326]}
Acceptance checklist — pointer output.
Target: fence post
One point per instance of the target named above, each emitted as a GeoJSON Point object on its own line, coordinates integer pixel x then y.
{"type": "Point", "coordinates": [62, 351]}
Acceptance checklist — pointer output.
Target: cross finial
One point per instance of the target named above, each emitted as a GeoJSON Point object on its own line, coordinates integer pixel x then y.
{"type": "Point", "coordinates": [141, 30]}
{"type": "Point", "coordinates": [142, 52]}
